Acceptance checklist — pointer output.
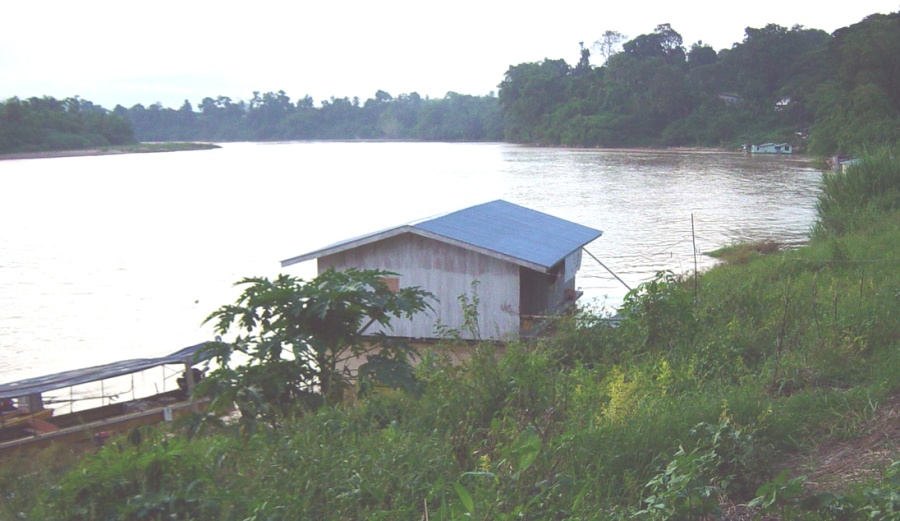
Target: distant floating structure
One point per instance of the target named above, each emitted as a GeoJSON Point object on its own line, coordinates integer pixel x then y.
{"type": "Point", "coordinates": [769, 148]}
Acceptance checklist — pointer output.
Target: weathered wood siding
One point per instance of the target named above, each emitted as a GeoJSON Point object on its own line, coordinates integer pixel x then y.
{"type": "Point", "coordinates": [448, 272]}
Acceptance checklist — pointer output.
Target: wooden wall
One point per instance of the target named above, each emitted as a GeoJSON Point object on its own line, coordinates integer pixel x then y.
{"type": "Point", "coordinates": [447, 271]}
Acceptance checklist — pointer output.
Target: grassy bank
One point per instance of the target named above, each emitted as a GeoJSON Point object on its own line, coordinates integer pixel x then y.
{"type": "Point", "coordinates": [690, 409]}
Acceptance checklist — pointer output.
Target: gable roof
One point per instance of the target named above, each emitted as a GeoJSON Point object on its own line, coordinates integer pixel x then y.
{"type": "Point", "coordinates": [497, 229]}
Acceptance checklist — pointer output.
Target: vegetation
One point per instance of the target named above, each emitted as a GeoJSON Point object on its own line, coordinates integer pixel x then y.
{"type": "Point", "coordinates": [298, 335]}
{"type": "Point", "coordinates": [693, 407]}
{"type": "Point", "coordinates": [802, 86]}
{"type": "Point", "coordinates": [39, 124]}
{"type": "Point", "coordinates": [742, 252]}
{"type": "Point", "coordinates": [272, 116]}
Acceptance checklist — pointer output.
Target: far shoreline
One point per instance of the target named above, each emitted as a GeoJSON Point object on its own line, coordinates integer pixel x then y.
{"type": "Point", "coordinates": [139, 148]}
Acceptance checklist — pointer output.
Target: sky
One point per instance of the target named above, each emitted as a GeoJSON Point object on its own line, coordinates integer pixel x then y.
{"type": "Point", "coordinates": [124, 53]}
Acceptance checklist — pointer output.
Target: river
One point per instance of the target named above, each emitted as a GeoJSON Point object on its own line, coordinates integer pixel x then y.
{"type": "Point", "coordinates": [111, 257]}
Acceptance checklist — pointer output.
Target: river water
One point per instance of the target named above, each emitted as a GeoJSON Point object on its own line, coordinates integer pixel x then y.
{"type": "Point", "coordinates": [114, 257]}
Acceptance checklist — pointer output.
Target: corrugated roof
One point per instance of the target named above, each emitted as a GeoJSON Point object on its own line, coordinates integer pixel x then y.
{"type": "Point", "coordinates": [499, 229]}
{"type": "Point", "coordinates": [65, 379]}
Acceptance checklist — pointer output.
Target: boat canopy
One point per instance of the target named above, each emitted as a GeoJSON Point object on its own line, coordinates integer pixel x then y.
{"type": "Point", "coordinates": [189, 355]}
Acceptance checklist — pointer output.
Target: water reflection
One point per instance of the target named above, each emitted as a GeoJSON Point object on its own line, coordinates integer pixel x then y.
{"type": "Point", "coordinates": [644, 201]}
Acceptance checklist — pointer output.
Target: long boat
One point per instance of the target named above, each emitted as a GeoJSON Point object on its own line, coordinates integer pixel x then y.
{"type": "Point", "coordinates": [28, 423]}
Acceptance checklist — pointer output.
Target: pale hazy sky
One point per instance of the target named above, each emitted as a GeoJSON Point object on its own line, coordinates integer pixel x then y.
{"type": "Point", "coordinates": [119, 52]}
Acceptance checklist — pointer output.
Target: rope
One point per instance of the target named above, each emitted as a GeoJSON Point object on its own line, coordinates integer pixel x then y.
{"type": "Point", "coordinates": [607, 269]}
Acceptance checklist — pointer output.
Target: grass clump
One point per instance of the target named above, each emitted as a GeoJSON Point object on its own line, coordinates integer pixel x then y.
{"type": "Point", "coordinates": [742, 253]}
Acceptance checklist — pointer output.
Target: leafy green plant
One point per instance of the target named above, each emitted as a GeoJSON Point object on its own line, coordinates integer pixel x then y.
{"type": "Point", "coordinates": [293, 336]}
{"type": "Point", "coordinates": [683, 490]}
{"type": "Point", "coordinates": [659, 313]}
{"type": "Point", "coordinates": [781, 494]}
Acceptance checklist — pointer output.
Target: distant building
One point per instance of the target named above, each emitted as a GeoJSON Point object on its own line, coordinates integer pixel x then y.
{"type": "Point", "coordinates": [782, 104]}
{"type": "Point", "coordinates": [524, 261]}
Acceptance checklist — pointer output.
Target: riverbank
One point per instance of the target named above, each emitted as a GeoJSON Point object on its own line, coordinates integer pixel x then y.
{"type": "Point", "coordinates": [690, 408]}
{"type": "Point", "coordinates": [139, 148]}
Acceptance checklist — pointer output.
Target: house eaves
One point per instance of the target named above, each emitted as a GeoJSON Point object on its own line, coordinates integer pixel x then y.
{"type": "Point", "coordinates": [498, 229]}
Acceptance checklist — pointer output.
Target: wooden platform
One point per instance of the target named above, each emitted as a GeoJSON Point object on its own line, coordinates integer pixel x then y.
{"type": "Point", "coordinates": [91, 426]}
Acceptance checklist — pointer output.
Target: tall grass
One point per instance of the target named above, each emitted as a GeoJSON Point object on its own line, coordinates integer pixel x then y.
{"type": "Point", "coordinates": [854, 198]}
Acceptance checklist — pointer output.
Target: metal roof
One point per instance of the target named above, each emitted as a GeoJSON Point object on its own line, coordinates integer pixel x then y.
{"type": "Point", "coordinates": [498, 229]}
{"type": "Point", "coordinates": [65, 379]}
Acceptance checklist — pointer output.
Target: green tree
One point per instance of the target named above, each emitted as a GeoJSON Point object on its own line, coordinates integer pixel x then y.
{"type": "Point", "coordinates": [663, 43]}
{"type": "Point", "coordinates": [50, 124]}
{"type": "Point", "coordinates": [293, 338]}
{"type": "Point", "coordinates": [857, 102]}
{"type": "Point", "coordinates": [609, 43]}
{"type": "Point", "coordinates": [528, 94]}
{"type": "Point", "coordinates": [700, 55]}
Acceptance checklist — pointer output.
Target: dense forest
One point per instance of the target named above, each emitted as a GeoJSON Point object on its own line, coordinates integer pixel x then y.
{"type": "Point", "coordinates": [272, 116]}
{"type": "Point", "coordinates": [822, 93]}
{"type": "Point", "coordinates": [830, 92]}
{"type": "Point", "coordinates": [39, 124]}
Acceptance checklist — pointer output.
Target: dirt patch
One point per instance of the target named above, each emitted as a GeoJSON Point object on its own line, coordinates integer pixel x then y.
{"type": "Point", "coordinates": [834, 465]}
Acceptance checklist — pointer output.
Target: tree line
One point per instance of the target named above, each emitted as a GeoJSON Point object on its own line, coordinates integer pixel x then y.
{"type": "Point", "coordinates": [822, 92]}
{"type": "Point", "coordinates": [273, 116]}
{"type": "Point", "coordinates": [833, 92]}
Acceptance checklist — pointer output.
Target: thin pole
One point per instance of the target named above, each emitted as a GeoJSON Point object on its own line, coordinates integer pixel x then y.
{"type": "Point", "coordinates": [694, 242]}
{"type": "Point", "coordinates": [607, 269]}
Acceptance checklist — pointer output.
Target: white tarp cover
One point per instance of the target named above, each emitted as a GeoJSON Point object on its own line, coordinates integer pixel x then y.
{"type": "Point", "coordinates": [52, 382]}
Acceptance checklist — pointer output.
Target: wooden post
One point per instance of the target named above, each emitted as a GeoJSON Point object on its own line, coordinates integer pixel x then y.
{"type": "Point", "coordinates": [694, 243]}
{"type": "Point", "coordinates": [189, 379]}
{"type": "Point", "coordinates": [33, 402]}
